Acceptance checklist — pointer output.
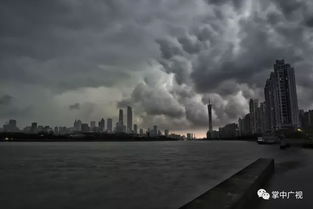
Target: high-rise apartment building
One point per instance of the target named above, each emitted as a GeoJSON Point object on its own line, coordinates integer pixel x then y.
{"type": "Point", "coordinates": [253, 107]}
{"type": "Point", "coordinates": [281, 98]}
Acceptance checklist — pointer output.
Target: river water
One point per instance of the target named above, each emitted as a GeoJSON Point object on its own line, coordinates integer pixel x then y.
{"type": "Point", "coordinates": [113, 175]}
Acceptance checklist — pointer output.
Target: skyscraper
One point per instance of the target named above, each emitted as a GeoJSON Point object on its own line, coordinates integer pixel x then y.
{"type": "Point", "coordinates": [253, 107]}
{"type": "Point", "coordinates": [135, 129]}
{"type": "Point", "coordinates": [281, 98]}
{"type": "Point", "coordinates": [101, 125]}
{"type": "Point", "coordinates": [120, 117]}
{"type": "Point", "coordinates": [109, 125]}
{"type": "Point", "coordinates": [120, 123]}
{"type": "Point", "coordinates": [129, 119]}
{"type": "Point", "coordinates": [210, 120]}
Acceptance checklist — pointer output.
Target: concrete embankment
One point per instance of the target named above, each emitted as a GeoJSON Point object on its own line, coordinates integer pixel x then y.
{"type": "Point", "coordinates": [238, 191]}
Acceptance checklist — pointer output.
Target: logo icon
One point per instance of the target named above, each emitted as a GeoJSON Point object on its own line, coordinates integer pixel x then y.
{"type": "Point", "coordinates": [263, 194]}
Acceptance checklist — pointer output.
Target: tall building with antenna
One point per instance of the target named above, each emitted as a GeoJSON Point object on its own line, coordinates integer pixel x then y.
{"type": "Point", "coordinates": [209, 133]}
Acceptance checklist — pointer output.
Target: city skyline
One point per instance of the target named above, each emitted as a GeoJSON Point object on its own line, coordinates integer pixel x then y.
{"type": "Point", "coordinates": [166, 59]}
{"type": "Point", "coordinates": [278, 111]}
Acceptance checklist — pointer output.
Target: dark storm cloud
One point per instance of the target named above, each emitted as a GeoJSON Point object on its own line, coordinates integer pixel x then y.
{"type": "Point", "coordinates": [169, 48]}
{"type": "Point", "coordinates": [157, 101]}
{"type": "Point", "coordinates": [165, 58]}
{"type": "Point", "coordinates": [75, 106]}
{"type": "Point", "coordinates": [9, 109]}
{"type": "Point", "coordinates": [241, 66]}
{"type": "Point", "coordinates": [60, 44]}
{"type": "Point", "coordinates": [235, 3]}
{"type": "Point", "coordinates": [5, 99]}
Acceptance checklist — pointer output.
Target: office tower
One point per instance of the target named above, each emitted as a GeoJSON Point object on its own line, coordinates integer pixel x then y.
{"type": "Point", "coordinates": [281, 98]}
{"type": "Point", "coordinates": [129, 119]}
{"type": "Point", "coordinates": [135, 129]}
{"type": "Point", "coordinates": [253, 107]}
{"type": "Point", "coordinates": [109, 125]}
{"type": "Point", "coordinates": [101, 125]}
{"type": "Point", "coordinates": [141, 132]}
{"type": "Point", "coordinates": [77, 125]}
{"type": "Point", "coordinates": [120, 128]}
{"type": "Point", "coordinates": [120, 117]}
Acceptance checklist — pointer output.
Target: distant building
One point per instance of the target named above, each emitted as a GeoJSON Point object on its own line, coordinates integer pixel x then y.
{"type": "Point", "coordinates": [101, 125]}
{"type": "Point", "coordinates": [229, 131]}
{"type": "Point", "coordinates": [166, 132]}
{"type": "Point", "coordinates": [262, 118]}
{"type": "Point", "coordinates": [245, 126]}
{"type": "Point", "coordinates": [253, 107]}
{"type": "Point", "coordinates": [154, 131]}
{"type": "Point", "coordinates": [190, 136]}
{"type": "Point", "coordinates": [281, 98]}
{"type": "Point", "coordinates": [10, 126]}
{"type": "Point", "coordinates": [56, 130]}
{"type": "Point", "coordinates": [120, 124]}
{"type": "Point", "coordinates": [85, 127]}
{"type": "Point", "coordinates": [129, 119]}
{"type": "Point", "coordinates": [93, 126]}
{"type": "Point", "coordinates": [33, 128]}
{"type": "Point", "coordinates": [109, 125]}
{"type": "Point", "coordinates": [306, 119]}
{"type": "Point", "coordinates": [121, 117]}
{"type": "Point", "coordinates": [77, 125]}
{"type": "Point", "coordinates": [135, 129]}
{"type": "Point", "coordinates": [215, 134]}
{"type": "Point", "coordinates": [141, 132]}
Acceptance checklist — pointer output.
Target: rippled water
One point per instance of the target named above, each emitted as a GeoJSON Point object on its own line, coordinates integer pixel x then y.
{"type": "Point", "coordinates": [118, 174]}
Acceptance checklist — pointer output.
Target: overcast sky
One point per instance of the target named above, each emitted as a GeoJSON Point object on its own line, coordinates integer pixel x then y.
{"type": "Point", "coordinates": [63, 60]}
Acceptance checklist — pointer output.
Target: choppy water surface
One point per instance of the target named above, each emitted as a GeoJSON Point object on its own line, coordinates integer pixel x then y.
{"type": "Point", "coordinates": [118, 174]}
